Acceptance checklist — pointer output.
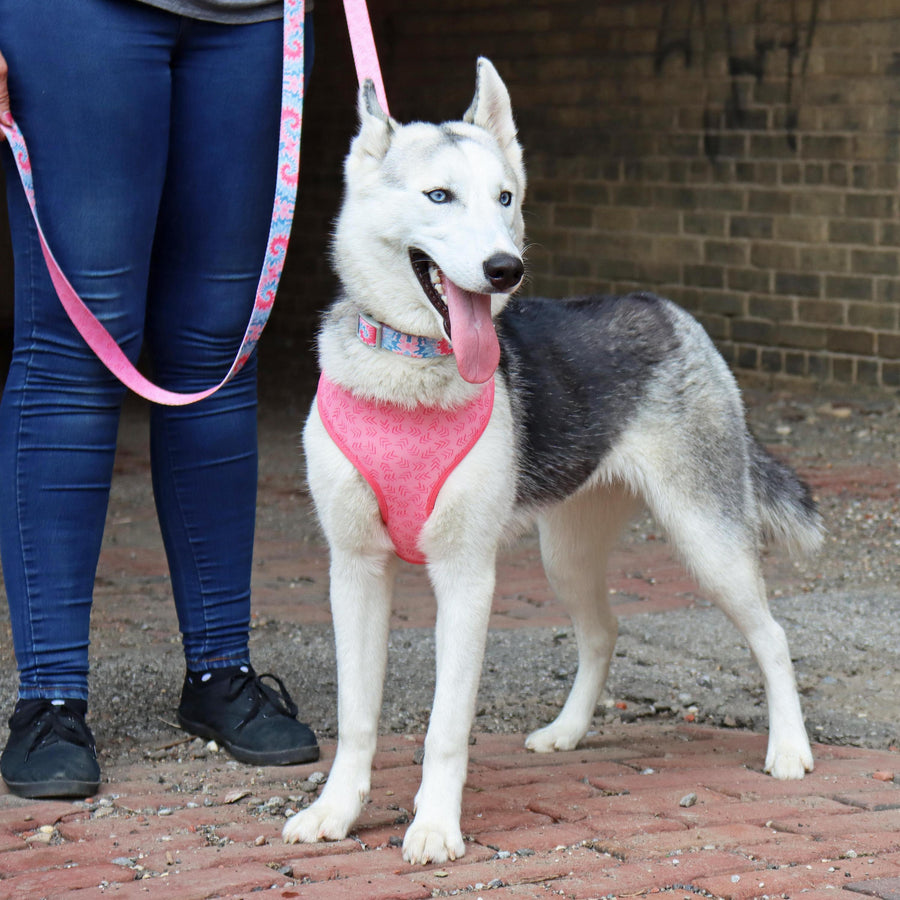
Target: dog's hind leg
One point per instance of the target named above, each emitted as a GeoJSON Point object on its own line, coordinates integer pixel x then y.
{"type": "Point", "coordinates": [722, 555]}
{"type": "Point", "coordinates": [361, 590]}
{"type": "Point", "coordinates": [575, 539]}
{"type": "Point", "coordinates": [743, 599]}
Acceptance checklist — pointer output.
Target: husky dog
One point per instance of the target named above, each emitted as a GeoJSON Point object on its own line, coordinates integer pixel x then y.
{"type": "Point", "coordinates": [595, 405]}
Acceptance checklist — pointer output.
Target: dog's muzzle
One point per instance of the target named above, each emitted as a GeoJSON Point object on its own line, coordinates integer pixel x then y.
{"type": "Point", "coordinates": [466, 315]}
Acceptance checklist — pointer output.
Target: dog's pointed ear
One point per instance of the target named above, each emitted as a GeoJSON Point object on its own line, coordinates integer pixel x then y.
{"type": "Point", "coordinates": [491, 110]}
{"type": "Point", "coordinates": [376, 128]}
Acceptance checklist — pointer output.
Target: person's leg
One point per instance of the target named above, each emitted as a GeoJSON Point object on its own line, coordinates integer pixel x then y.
{"type": "Point", "coordinates": [90, 96]}
{"type": "Point", "coordinates": [211, 240]}
{"type": "Point", "coordinates": [94, 109]}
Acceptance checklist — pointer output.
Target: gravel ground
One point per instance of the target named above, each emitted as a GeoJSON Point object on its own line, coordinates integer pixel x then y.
{"type": "Point", "coordinates": [839, 609]}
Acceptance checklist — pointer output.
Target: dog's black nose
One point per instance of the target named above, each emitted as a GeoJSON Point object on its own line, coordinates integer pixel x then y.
{"type": "Point", "coordinates": [504, 271]}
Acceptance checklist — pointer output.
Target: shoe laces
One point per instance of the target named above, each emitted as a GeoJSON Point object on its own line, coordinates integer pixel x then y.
{"type": "Point", "coordinates": [261, 695]}
{"type": "Point", "coordinates": [52, 722]}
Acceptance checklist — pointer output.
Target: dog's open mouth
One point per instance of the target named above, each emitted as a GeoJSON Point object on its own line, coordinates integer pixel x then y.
{"type": "Point", "coordinates": [466, 317]}
{"type": "Point", "coordinates": [429, 276]}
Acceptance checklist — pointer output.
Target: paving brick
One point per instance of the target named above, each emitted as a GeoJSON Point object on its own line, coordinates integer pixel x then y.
{"type": "Point", "coordinates": [610, 876]}
{"type": "Point", "coordinates": [582, 756]}
{"type": "Point", "coordinates": [759, 812]}
{"type": "Point", "coordinates": [11, 842]}
{"type": "Point", "coordinates": [374, 838]}
{"type": "Point", "coordinates": [791, 848]}
{"type": "Point", "coordinates": [193, 885]}
{"type": "Point", "coordinates": [180, 820]}
{"type": "Point", "coordinates": [306, 855]}
{"type": "Point", "coordinates": [885, 888]}
{"type": "Point", "coordinates": [239, 832]}
{"type": "Point", "coordinates": [822, 828]}
{"type": "Point", "coordinates": [822, 875]}
{"type": "Point", "coordinates": [514, 870]}
{"type": "Point", "coordinates": [524, 892]}
{"type": "Point", "coordinates": [714, 757]}
{"type": "Point", "coordinates": [565, 794]}
{"type": "Point", "coordinates": [346, 865]}
{"type": "Point", "coordinates": [888, 798]}
{"type": "Point", "coordinates": [674, 783]}
{"type": "Point", "coordinates": [208, 857]}
{"type": "Point", "coordinates": [541, 838]}
{"type": "Point", "coordinates": [861, 766]}
{"type": "Point", "coordinates": [482, 776]}
{"type": "Point", "coordinates": [61, 881]}
{"type": "Point", "coordinates": [24, 816]}
{"type": "Point", "coordinates": [377, 887]}
{"type": "Point", "coordinates": [751, 784]}
{"type": "Point", "coordinates": [568, 783]}
{"type": "Point", "coordinates": [511, 820]}
{"type": "Point", "coordinates": [615, 813]}
{"type": "Point", "coordinates": [628, 828]}
{"type": "Point", "coordinates": [669, 843]}
{"type": "Point", "coordinates": [35, 858]}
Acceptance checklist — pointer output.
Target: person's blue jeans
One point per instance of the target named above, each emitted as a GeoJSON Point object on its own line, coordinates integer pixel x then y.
{"type": "Point", "coordinates": [154, 144]}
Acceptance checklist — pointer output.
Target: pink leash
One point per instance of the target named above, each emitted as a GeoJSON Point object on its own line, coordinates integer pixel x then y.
{"type": "Point", "coordinates": [95, 335]}
{"type": "Point", "coordinates": [363, 44]}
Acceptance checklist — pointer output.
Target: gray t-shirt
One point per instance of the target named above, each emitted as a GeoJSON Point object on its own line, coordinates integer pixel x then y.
{"type": "Point", "coordinates": [230, 12]}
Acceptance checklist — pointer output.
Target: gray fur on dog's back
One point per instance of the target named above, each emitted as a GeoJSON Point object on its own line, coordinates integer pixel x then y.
{"type": "Point", "coordinates": [577, 371]}
{"type": "Point", "coordinates": [583, 371]}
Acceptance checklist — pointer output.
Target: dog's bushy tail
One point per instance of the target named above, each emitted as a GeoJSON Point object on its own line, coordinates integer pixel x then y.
{"type": "Point", "coordinates": [787, 511]}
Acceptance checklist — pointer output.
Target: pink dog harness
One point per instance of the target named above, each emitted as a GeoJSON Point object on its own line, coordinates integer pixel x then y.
{"type": "Point", "coordinates": [405, 455]}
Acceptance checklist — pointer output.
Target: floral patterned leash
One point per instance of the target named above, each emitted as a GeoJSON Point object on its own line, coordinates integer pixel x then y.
{"type": "Point", "coordinates": [95, 335]}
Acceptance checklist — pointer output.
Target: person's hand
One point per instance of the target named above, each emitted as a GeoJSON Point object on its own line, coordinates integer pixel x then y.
{"type": "Point", "coordinates": [5, 114]}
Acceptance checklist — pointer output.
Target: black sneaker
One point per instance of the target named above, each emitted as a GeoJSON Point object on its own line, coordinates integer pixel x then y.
{"type": "Point", "coordinates": [50, 751]}
{"type": "Point", "coordinates": [255, 723]}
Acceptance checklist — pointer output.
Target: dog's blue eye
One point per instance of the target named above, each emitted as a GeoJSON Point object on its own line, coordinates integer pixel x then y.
{"type": "Point", "coordinates": [505, 198]}
{"type": "Point", "coordinates": [439, 195]}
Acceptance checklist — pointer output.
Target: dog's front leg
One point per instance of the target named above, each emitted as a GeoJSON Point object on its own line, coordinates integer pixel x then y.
{"type": "Point", "coordinates": [464, 594]}
{"type": "Point", "coordinates": [361, 589]}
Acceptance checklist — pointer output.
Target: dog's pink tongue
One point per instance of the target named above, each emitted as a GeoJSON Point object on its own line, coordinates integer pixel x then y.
{"type": "Point", "coordinates": [474, 340]}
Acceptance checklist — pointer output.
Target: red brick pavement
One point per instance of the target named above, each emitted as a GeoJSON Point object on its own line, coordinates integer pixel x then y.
{"type": "Point", "coordinates": [603, 820]}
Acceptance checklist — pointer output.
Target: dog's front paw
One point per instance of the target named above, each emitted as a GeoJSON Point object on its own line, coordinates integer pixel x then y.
{"type": "Point", "coordinates": [787, 761]}
{"type": "Point", "coordinates": [427, 842]}
{"type": "Point", "coordinates": [553, 737]}
{"type": "Point", "coordinates": [323, 821]}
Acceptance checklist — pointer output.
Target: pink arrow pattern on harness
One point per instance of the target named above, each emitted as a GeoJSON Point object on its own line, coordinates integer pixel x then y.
{"type": "Point", "coordinates": [405, 455]}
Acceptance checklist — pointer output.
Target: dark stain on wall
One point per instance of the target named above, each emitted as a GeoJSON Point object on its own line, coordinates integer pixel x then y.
{"type": "Point", "coordinates": [778, 53]}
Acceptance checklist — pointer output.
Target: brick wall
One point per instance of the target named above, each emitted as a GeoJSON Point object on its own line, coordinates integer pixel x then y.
{"type": "Point", "coordinates": [740, 157]}
{"type": "Point", "coordinates": [743, 163]}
